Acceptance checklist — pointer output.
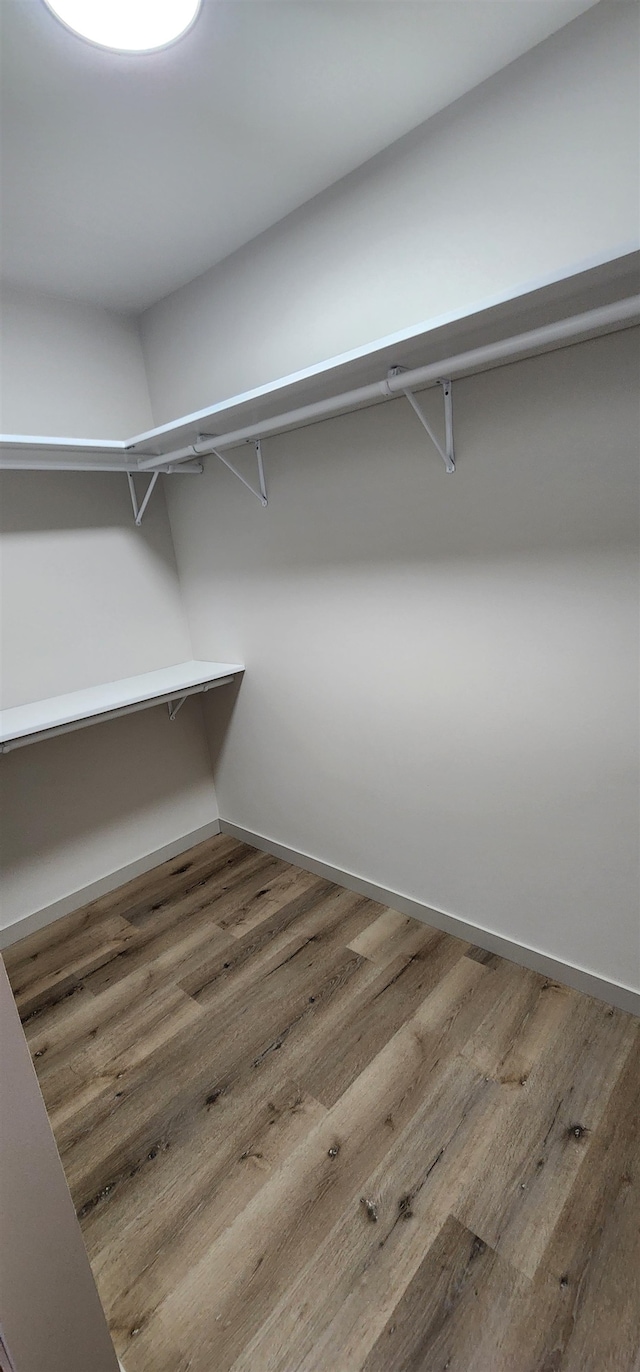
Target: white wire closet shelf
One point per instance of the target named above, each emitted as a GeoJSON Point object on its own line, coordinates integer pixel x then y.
{"type": "Point", "coordinates": [23, 724]}
{"type": "Point", "coordinates": [586, 301]}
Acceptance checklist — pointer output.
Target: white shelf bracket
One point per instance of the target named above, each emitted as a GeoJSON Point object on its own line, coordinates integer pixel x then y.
{"type": "Point", "coordinates": [174, 705]}
{"type": "Point", "coordinates": [261, 493]}
{"type": "Point", "coordinates": [138, 510]}
{"type": "Point", "coordinates": [448, 452]}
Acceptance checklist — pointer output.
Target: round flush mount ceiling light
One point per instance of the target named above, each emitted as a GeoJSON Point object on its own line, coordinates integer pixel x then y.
{"type": "Point", "coordinates": [127, 25]}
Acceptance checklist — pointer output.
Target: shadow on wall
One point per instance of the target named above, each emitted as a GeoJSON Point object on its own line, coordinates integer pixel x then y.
{"type": "Point", "coordinates": [537, 472]}
{"type": "Point", "coordinates": [46, 502]}
{"type": "Point", "coordinates": [218, 709]}
{"type": "Point", "coordinates": [36, 502]}
{"type": "Point", "coordinates": [138, 782]}
{"type": "Point", "coordinates": [86, 597]}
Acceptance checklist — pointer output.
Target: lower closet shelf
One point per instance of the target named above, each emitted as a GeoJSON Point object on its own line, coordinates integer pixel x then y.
{"type": "Point", "coordinates": [24, 724]}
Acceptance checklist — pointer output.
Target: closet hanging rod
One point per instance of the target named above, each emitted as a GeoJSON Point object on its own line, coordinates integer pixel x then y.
{"type": "Point", "coordinates": [484, 357]}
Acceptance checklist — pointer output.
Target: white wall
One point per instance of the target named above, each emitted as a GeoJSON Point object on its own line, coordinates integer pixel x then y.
{"type": "Point", "coordinates": [78, 808]}
{"type": "Point", "coordinates": [70, 370]}
{"type": "Point", "coordinates": [50, 1313]}
{"type": "Point", "coordinates": [86, 598]}
{"type": "Point", "coordinates": [442, 671]}
{"type": "Point", "coordinates": [531, 173]}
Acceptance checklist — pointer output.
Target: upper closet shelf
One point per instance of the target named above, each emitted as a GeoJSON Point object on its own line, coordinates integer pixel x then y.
{"type": "Point", "coordinates": [586, 301]}
{"type": "Point", "coordinates": [171, 685]}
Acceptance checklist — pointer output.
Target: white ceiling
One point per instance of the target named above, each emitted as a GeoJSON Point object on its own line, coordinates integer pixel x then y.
{"type": "Point", "coordinates": [126, 176]}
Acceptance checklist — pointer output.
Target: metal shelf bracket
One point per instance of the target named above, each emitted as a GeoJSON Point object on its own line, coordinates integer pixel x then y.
{"type": "Point", "coordinates": [261, 493]}
{"type": "Point", "coordinates": [174, 705]}
{"type": "Point", "coordinates": [448, 452]}
{"type": "Point", "coordinates": [139, 509]}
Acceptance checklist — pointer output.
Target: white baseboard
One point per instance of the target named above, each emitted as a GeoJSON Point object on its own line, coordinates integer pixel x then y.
{"type": "Point", "coordinates": [29, 924]}
{"type": "Point", "coordinates": [614, 993]}
{"type": "Point", "coordinates": [624, 997]}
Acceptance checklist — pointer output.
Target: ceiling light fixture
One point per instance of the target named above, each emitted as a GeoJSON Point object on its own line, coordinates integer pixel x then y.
{"type": "Point", "coordinates": [127, 25]}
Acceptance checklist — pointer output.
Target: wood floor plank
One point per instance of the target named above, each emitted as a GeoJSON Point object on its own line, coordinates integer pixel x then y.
{"type": "Point", "coordinates": [492, 1316]}
{"type": "Point", "coordinates": [55, 1030]}
{"type": "Point", "coordinates": [594, 1253]}
{"type": "Point", "coordinates": [51, 1021]}
{"type": "Point", "coordinates": [361, 1269]}
{"type": "Point", "coordinates": [518, 994]}
{"type": "Point", "coordinates": [159, 1099]}
{"type": "Point", "coordinates": [218, 1119]}
{"type": "Point", "coordinates": [170, 947]}
{"type": "Point", "coordinates": [126, 1233]}
{"type": "Point", "coordinates": [262, 905]}
{"type": "Point", "coordinates": [102, 1062]}
{"type": "Point", "coordinates": [145, 896]}
{"type": "Point", "coordinates": [482, 955]}
{"type": "Point", "coordinates": [205, 909]}
{"type": "Point", "coordinates": [305, 1133]}
{"type": "Point", "coordinates": [459, 1313]}
{"type": "Point", "coordinates": [55, 945]}
{"type": "Point", "coordinates": [40, 979]}
{"type": "Point", "coordinates": [246, 869]}
{"type": "Point", "coordinates": [62, 1029]}
{"type": "Point", "coordinates": [392, 935]}
{"type": "Point", "coordinates": [248, 957]}
{"type": "Point", "coordinates": [259, 1255]}
{"type": "Point", "coordinates": [605, 1336]}
{"type": "Point", "coordinates": [611, 1160]}
{"type": "Point", "coordinates": [534, 1147]}
{"type": "Point", "coordinates": [323, 913]}
{"type": "Point", "coordinates": [344, 1058]}
{"type": "Point", "coordinates": [289, 1117]}
{"type": "Point", "coordinates": [133, 1237]}
{"type": "Point", "coordinates": [447, 1279]}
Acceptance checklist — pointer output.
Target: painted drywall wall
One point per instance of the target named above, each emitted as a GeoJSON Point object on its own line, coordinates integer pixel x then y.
{"type": "Point", "coordinates": [69, 369]}
{"type": "Point", "coordinates": [534, 171]}
{"type": "Point", "coordinates": [75, 809]}
{"type": "Point", "coordinates": [50, 1313]}
{"type": "Point", "coordinates": [86, 598]}
{"type": "Point", "coordinates": [442, 671]}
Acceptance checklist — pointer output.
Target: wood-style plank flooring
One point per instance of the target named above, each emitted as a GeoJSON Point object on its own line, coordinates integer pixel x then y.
{"type": "Point", "coordinates": [305, 1133]}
